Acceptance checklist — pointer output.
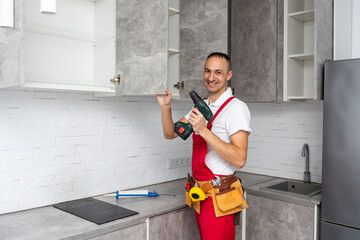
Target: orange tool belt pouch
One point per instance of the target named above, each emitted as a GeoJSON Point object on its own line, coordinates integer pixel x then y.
{"type": "Point", "coordinates": [228, 197]}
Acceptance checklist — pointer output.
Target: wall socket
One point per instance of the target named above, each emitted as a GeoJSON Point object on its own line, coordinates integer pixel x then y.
{"type": "Point", "coordinates": [179, 162]}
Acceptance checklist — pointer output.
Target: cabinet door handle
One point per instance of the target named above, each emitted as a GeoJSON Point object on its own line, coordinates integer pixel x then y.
{"type": "Point", "coordinates": [116, 79]}
{"type": "Point", "coordinates": [179, 85]}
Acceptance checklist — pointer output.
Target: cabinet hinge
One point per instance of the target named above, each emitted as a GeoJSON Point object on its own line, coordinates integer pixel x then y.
{"type": "Point", "coordinates": [179, 85]}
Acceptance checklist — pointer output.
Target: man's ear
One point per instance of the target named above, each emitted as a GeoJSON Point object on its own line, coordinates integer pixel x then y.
{"type": "Point", "coordinates": [229, 75]}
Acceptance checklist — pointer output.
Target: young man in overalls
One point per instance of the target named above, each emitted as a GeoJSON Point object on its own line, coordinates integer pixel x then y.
{"type": "Point", "coordinates": [219, 146]}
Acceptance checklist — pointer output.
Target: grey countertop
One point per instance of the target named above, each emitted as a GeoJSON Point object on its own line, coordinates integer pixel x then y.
{"type": "Point", "coordinates": [51, 223]}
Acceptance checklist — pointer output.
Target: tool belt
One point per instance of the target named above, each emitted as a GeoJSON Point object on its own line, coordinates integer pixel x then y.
{"type": "Point", "coordinates": [226, 192]}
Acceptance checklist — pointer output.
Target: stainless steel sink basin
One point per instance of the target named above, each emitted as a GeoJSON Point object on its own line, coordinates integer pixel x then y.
{"type": "Point", "coordinates": [296, 187]}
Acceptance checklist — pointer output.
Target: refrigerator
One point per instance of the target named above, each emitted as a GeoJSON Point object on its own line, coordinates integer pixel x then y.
{"type": "Point", "coordinates": [340, 198]}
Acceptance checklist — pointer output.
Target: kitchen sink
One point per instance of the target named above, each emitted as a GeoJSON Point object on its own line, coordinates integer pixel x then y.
{"type": "Point", "coordinates": [296, 187]}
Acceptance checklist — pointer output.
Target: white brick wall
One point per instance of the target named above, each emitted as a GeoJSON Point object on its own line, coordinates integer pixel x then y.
{"type": "Point", "coordinates": [57, 147]}
{"type": "Point", "coordinates": [279, 133]}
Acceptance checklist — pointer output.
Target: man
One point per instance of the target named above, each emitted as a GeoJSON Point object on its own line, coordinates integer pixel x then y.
{"type": "Point", "coordinates": [220, 146]}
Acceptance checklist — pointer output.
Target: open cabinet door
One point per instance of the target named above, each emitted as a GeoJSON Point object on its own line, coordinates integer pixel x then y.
{"type": "Point", "coordinates": [141, 46]}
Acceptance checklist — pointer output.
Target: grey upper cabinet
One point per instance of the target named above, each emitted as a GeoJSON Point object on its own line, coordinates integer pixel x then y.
{"type": "Point", "coordinates": [203, 29]}
{"type": "Point", "coordinates": [87, 45]}
{"type": "Point", "coordinates": [141, 46]}
{"type": "Point", "coordinates": [256, 49]}
{"type": "Point", "coordinates": [147, 46]}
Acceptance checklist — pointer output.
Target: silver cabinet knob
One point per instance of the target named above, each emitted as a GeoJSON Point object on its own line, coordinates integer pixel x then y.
{"type": "Point", "coordinates": [116, 79]}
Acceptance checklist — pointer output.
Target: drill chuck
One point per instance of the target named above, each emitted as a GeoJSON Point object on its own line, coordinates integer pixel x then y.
{"type": "Point", "coordinates": [201, 105]}
{"type": "Point", "coordinates": [195, 97]}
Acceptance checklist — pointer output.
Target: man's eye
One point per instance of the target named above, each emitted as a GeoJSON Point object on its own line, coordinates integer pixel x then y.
{"type": "Point", "coordinates": [218, 72]}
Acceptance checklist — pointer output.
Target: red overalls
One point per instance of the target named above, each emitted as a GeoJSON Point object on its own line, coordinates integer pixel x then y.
{"type": "Point", "coordinates": [210, 226]}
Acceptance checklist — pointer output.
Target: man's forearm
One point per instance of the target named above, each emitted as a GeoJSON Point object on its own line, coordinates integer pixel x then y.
{"type": "Point", "coordinates": [167, 123]}
{"type": "Point", "coordinates": [235, 152]}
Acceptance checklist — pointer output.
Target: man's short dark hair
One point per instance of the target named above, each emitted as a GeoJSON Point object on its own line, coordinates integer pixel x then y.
{"type": "Point", "coordinates": [221, 55]}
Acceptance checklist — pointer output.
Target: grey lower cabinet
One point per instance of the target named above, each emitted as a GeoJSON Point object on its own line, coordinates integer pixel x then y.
{"type": "Point", "coordinates": [136, 232]}
{"type": "Point", "coordinates": [272, 219]}
{"type": "Point", "coordinates": [266, 219]}
{"type": "Point", "coordinates": [179, 224]}
{"type": "Point", "coordinates": [256, 49]}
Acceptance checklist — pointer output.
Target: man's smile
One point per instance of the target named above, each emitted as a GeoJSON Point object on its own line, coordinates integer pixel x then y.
{"type": "Point", "coordinates": [212, 83]}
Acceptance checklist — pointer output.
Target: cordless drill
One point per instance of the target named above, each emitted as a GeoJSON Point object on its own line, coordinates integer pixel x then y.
{"type": "Point", "coordinates": [184, 130]}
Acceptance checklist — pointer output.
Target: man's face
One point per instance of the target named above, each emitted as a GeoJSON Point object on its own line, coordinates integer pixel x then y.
{"type": "Point", "coordinates": [216, 75]}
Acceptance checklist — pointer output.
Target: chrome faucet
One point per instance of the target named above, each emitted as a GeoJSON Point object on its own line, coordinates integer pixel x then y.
{"type": "Point", "coordinates": [305, 153]}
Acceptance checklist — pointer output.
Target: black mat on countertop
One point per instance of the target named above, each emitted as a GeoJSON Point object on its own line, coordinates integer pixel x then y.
{"type": "Point", "coordinates": [94, 210]}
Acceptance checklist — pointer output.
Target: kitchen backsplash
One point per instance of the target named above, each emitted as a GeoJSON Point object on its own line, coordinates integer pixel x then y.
{"type": "Point", "coordinates": [279, 133]}
{"type": "Point", "coordinates": [56, 147]}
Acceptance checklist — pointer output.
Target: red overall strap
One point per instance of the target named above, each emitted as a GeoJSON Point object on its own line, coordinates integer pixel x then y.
{"type": "Point", "coordinates": [209, 124]}
{"type": "Point", "coordinates": [200, 171]}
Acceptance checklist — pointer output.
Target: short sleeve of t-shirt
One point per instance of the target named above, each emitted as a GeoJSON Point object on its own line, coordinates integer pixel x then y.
{"type": "Point", "coordinates": [238, 117]}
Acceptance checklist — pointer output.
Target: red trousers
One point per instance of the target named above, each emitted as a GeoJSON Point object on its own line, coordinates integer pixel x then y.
{"type": "Point", "coordinates": [212, 227]}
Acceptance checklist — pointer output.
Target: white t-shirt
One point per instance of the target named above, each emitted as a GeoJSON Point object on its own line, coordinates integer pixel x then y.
{"type": "Point", "coordinates": [234, 117]}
